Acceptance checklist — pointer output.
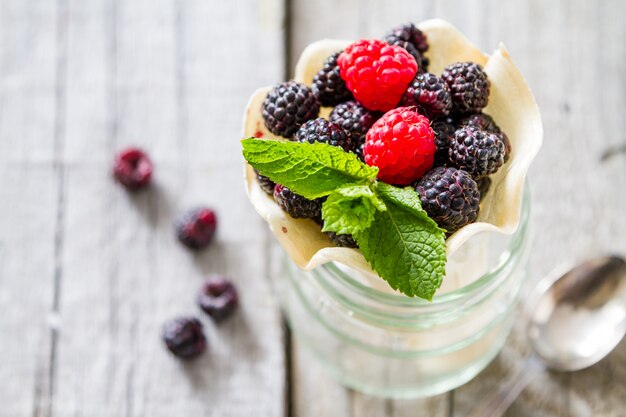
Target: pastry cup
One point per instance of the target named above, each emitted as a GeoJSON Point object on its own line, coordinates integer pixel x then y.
{"type": "Point", "coordinates": [512, 106]}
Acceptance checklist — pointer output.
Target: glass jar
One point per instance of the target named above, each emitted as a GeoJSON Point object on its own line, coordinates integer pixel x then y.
{"type": "Point", "coordinates": [394, 346]}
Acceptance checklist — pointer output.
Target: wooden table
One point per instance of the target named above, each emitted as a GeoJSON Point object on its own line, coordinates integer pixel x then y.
{"type": "Point", "coordinates": [88, 272]}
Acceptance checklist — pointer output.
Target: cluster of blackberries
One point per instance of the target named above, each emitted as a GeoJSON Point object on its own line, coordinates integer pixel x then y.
{"type": "Point", "coordinates": [468, 145]}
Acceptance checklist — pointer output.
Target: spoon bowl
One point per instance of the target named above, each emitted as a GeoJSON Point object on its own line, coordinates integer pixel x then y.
{"type": "Point", "coordinates": [580, 316]}
{"type": "Point", "coordinates": [577, 318]}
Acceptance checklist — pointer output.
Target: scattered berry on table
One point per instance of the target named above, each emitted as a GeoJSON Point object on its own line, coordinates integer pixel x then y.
{"type": "Point", "coordinates": [483, 186]}
{"type": "Point", "coordinates": [265, 183]}
{"type": "Point", "coordinates": [287, 106]}
{"type": "Point", "coordinates": [430, 94]}
{"type": "Point", "coordinates": [356, 120]}
{"type": "Point", "coordinates": [184, 337]}
{"type": "Point", "coordinates": [469, 86]}
{"type": "Point", "coordinates": [377, 73]}
{"type": "Point", "coordinates": [444, 129]}
{"type": "Point", "coordinates": [477, 151]}
{"type": "Point", "coordinates": [409, 37]}
{"type": "Point", "coordinates": [218, 297]}
{"type": "Point", "coordinates": [450, 197]}
{"type": "Point", "coordinates": [297, 206]}
{"type": "Point", "coordinates": [485, 122]}
{"type": "Point", "coordinates": [402, 145]}
{"type": "Point", "coordinates": [344, 240]}
{"type": "Point", "coordinates": [196, 228]}
{"type": "Point", "coordinates": [132, 168]}
{"type": "Point", "coordinates": [328, 85]}
{"type": "Point", "coordinates": [323, 131]}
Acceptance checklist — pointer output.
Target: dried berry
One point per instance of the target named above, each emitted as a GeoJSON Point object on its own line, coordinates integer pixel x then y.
{"type": "Point", "coordinates": [218, 297]}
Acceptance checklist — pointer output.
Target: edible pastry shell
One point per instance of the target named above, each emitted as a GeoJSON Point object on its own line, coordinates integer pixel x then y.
{"type": "Point", "coordinates": [511, 104]}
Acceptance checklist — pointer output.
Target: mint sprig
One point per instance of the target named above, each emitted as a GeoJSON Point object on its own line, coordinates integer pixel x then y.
{"type": "Point", "coordinates": [404, 245]}
{"type": "Point", "coordinates": [350, 209]}
{"type": "Point", "coordinates": [395, 235]}
{"type": "Point", "coordinates": [311, 170]}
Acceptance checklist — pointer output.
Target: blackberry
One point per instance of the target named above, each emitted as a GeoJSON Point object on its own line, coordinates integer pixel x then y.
{"type": "Point", "coordinates": [328, 85]}
{"type": "Point", "coordinates": [132, 168]}
{"type": "Point", "coordinates": [358, 151]}
{"type": "Point", "coordinates": [444, 129]}
{"type": "Point", "coordinates": [196, 228]}
{"type": "Point", "coordinates": [265, 183]}
{"type": "Point", "coordinates": [218, 297]}
{"type": "Point", "coordinates": [356, 120]}
{"type": "Point", "coordinates": [450, 197]}
{"type": "Point", "coordinates": [409, 37]}
{"type": "Point", "coordinates": [485, 122]}
{"type": "Point", "coordinates": [287, 106]}
{"type": "Point", "coordinates": [481, 121]}
{"type": "Point", "coordinates": [478, 152]}
{"type": "Point", "coordinates": [184, 337]}
{"type": "Point", "coordinates": [469, 86]}
{"type": "Point", "coordinates": [297, 206]}
{"type": "Point", "coordinates": [484, 184]}
{"type": "Point", "coordinates": [321, 130]}
{"type": "Point", "coordinates": [430, 94]}
{"type": "Point", "coordinates": [344, 241]}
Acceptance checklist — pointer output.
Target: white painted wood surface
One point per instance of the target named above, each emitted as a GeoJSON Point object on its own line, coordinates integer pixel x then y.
{"type": "Point", "coordinates": [88, 273]}
{"type": "Point", "coordinates": [81, 79]}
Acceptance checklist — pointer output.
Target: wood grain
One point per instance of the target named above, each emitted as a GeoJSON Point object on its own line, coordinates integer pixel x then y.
{"type": "Point", "coordinates": [30, 182]}
{"type": "Point", "coordinates": [80, 80]}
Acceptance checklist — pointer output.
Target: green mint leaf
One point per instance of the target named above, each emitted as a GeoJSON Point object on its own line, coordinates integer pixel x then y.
{"type": "Point", "coordinates": [403, 245]}
{"type": "Point", "coordinates": [311, 170]}
{"type": "Point", "coordinates": [350, 209]}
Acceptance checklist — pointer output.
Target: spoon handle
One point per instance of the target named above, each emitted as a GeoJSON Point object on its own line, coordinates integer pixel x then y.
{"type": "Point", "coordinates": [497, 403]}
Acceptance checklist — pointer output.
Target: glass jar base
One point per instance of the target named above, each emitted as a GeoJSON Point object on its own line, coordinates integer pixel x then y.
{"type": "Point", "coordinates": [443, 384]}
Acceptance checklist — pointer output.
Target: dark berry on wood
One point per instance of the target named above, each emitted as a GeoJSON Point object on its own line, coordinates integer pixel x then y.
{"type": "Point", "coordinates": [196, 228]}
{"type": "Point", "coordinates": [184, 337]}
{"type": "Point", "coordinates": [218, 297]}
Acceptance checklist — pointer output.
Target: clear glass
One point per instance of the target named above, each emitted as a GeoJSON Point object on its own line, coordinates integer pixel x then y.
{"type": "Point", "coordinates": [399, 347]}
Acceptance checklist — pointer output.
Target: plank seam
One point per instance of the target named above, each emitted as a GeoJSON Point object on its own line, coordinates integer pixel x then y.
{"type": "Point", "coordinates": [59, 169]}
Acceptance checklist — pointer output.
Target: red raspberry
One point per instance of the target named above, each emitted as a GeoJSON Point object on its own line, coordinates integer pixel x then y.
{"type": "Point", "coordinates": [132, 168]}
{"type": "Point", "coordinates": [377, 73]}
{"type": "Point", "coordinates": [402, 145]}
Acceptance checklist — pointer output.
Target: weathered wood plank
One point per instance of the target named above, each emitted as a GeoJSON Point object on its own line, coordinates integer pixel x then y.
{"type": "Point", "coordinates": [29, 191]}
{"type": "Point", "coordinates": [157, 75]}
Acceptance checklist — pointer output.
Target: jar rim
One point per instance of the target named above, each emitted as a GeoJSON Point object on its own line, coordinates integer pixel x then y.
{"type": "Point", "coordinates": [468, 291]}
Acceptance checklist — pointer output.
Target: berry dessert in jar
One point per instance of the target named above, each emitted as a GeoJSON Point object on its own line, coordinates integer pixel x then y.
{"type": "Point", "coordinates": [392, 172]}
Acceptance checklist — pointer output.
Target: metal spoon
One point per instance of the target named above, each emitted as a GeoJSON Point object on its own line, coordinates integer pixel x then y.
{"type": "Point", "coordinates": [577, 319]}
